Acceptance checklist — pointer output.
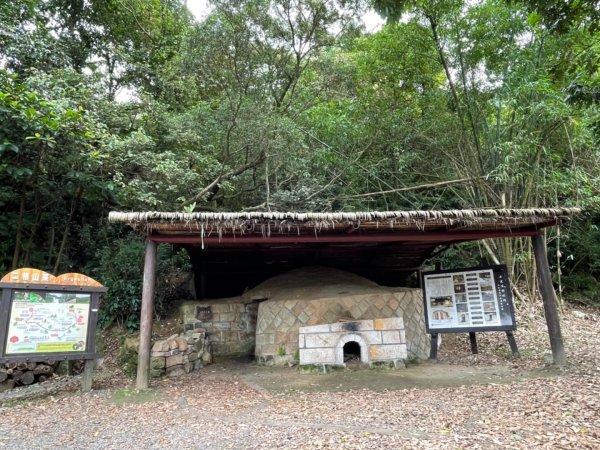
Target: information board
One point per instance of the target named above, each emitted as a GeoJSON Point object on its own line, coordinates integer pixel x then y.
{"type": "Point", "coordinates": [45, 317]}
{"type": "Point", "coordinates": [47, 322]}
{"type": "Point", "coordinates": [473, 299]}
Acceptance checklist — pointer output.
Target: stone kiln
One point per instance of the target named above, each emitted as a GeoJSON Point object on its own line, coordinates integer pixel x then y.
{"type": "Point", "coordinates": [323, 296]}
{"type": "Point", "coordinates": [370, 341]}
{"type": "Point", "coordinates": [266, 320]}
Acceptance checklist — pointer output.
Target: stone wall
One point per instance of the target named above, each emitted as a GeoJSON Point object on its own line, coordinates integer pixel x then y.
{"type": "Point", "coordinates": [380, 340]}
{"type": "Point", "coordinates": [230, 324]}
{"type": "Point", "coordinates": [179, 354]}
{"type": "Point", "coordinates": [279, 321]}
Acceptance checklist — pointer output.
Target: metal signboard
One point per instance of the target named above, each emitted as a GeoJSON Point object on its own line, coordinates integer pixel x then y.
{"type": "Point", "coordinates": [468, 300]}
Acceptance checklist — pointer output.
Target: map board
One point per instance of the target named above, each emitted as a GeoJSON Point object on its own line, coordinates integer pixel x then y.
{"type": "Point", "coordinates": [464, 300]}
{"type": "Point", "coordinates": [45, 317]}
{"type": "Point", "coordinates": [47, 322]}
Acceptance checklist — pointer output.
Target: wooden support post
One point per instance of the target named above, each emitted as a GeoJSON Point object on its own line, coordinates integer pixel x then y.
{"type": "Point", "coordinates": [549, 300]}
{"type": "Point", "coordinates": [473, 339]}
{"type": "Point", "coordinates": [88, 370]}
{"type": "Point", "coordinates": [513, 344]}
{"type": "Point", "coordinates": [143, 369]}
{"type": "Point", "coordinates": [434, 347]}
{"type": "Point", "coordinates": [70, 368]}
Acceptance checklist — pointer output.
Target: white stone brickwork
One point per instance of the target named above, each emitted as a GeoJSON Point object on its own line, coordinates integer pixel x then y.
{"type": "Point", "coordinates": [279, 321]}
{"type": "Point", "coordinates": [379, 340]}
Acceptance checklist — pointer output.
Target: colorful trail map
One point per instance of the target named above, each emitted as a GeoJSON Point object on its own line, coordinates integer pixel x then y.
{"type": "Point", "coordinates": [47, 322]}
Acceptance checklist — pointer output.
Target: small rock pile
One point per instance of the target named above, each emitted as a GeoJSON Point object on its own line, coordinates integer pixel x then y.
{"type": "Point", "coordinates": [180, 354]}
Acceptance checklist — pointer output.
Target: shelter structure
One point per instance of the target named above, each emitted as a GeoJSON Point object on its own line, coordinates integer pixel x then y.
{"type": "Point", "coordinates": [240, 250]}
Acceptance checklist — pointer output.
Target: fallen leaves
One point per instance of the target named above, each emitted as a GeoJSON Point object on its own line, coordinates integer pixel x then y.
{"type": "Point", "coordinates": [215, 408]}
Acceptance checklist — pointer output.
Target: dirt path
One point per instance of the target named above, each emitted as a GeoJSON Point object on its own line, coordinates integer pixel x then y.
{"type": "Point", "coordinates": [247, 406]}
{"type": "Point", "coordinates": [415, 376]}
{"type": "Point", "coordinates": [488, 401]}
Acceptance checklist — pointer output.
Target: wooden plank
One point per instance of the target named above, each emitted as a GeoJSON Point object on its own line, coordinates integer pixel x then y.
{"type": "Point", "coordinates": [143, 369]}
{"type": "Point", "coordinates": [549, 300]}
{"type": "Point", "coordinates": [438, 236]}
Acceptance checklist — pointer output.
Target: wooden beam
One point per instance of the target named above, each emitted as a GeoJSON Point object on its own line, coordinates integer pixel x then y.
{"type": "Point", "coordinates": [549, 299]}
{"type": "Point", "coordinates": [414, 236]}
{"type": "Point", "coordinates": [143, 369]}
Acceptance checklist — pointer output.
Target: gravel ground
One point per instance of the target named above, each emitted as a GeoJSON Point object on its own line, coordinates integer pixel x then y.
{"type": "Point", "coordinates": [217, 409]}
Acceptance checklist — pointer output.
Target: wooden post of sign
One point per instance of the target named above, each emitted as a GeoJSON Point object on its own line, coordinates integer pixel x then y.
{"type": "Point", "coordinates": [433, 350]}
{"type": "Point", "coordinates": [70, 368]}
{"type": "Point", "coordinates": [143, 368]}
{"type": "Point", "coordinates": [473, 340]}
{"type": "Point", "coordinates": [549, 299]}
{"type": "Point", "coordinates": [88, 370]}
{"type": "Point", "coordinates": [513, 344]}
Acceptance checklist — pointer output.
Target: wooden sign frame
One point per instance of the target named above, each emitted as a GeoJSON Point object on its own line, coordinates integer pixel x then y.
{"type": "Point", "coordinates": [35, 281]}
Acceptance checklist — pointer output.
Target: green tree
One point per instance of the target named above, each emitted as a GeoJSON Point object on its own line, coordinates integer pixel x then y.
{"type": "Point", "coordinates": [50, 158]}
{"type": "Point", "coordinates": [518, 137]}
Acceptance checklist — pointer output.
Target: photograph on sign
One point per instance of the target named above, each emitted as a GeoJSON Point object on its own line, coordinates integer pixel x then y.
{"type": "Point", "coordinates": [468, 299]}
{"type": "Point", "coordinates": [47, 322]}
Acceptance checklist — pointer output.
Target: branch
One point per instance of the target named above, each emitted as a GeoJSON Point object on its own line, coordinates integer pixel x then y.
{"type": "Point", "coordinates": [411, 188]}
{"type": "Point", "coordinates": [131, 10]}
{"type": "Point", "coordinates": [214, 185]}
{"type": "Point", "coordinates": [260, 207]}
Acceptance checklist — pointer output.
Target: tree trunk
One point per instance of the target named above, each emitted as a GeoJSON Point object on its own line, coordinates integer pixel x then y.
{"type": "Point", "coordinates": [18, 237]}
{"type": "Point", "coordinates": [32, 235]}
{"type": "Point", "coordinates": [440, 49]}
{"type": "Point", "coordinates": [51, 245]}
{"type": "Point", "coordinates": [65, 237]}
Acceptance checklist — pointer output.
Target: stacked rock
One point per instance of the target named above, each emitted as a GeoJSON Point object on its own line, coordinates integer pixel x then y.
{"type": "Point", "coordinates": [180, 354]}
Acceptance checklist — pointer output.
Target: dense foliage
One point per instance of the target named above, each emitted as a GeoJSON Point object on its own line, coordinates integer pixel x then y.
{"type": "Point", "coordinates": [291, 105]}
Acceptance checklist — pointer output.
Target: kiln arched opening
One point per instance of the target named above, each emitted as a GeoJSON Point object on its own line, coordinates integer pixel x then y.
{"type": "Point", "coordinates": [351, 351]}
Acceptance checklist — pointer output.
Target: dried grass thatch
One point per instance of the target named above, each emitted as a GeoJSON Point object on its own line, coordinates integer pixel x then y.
{"type": "Point", "coordinates": [264, 223]}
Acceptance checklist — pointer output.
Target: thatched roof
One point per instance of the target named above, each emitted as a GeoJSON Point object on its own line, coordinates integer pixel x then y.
{"type": "Point", "coordinates": [267, 223]}
{"type": "Point", "coordinates": [234, 250]}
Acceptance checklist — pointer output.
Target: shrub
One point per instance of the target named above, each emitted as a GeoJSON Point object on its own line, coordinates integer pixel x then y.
{"type": "Point", "coordinates": [119, 265]}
